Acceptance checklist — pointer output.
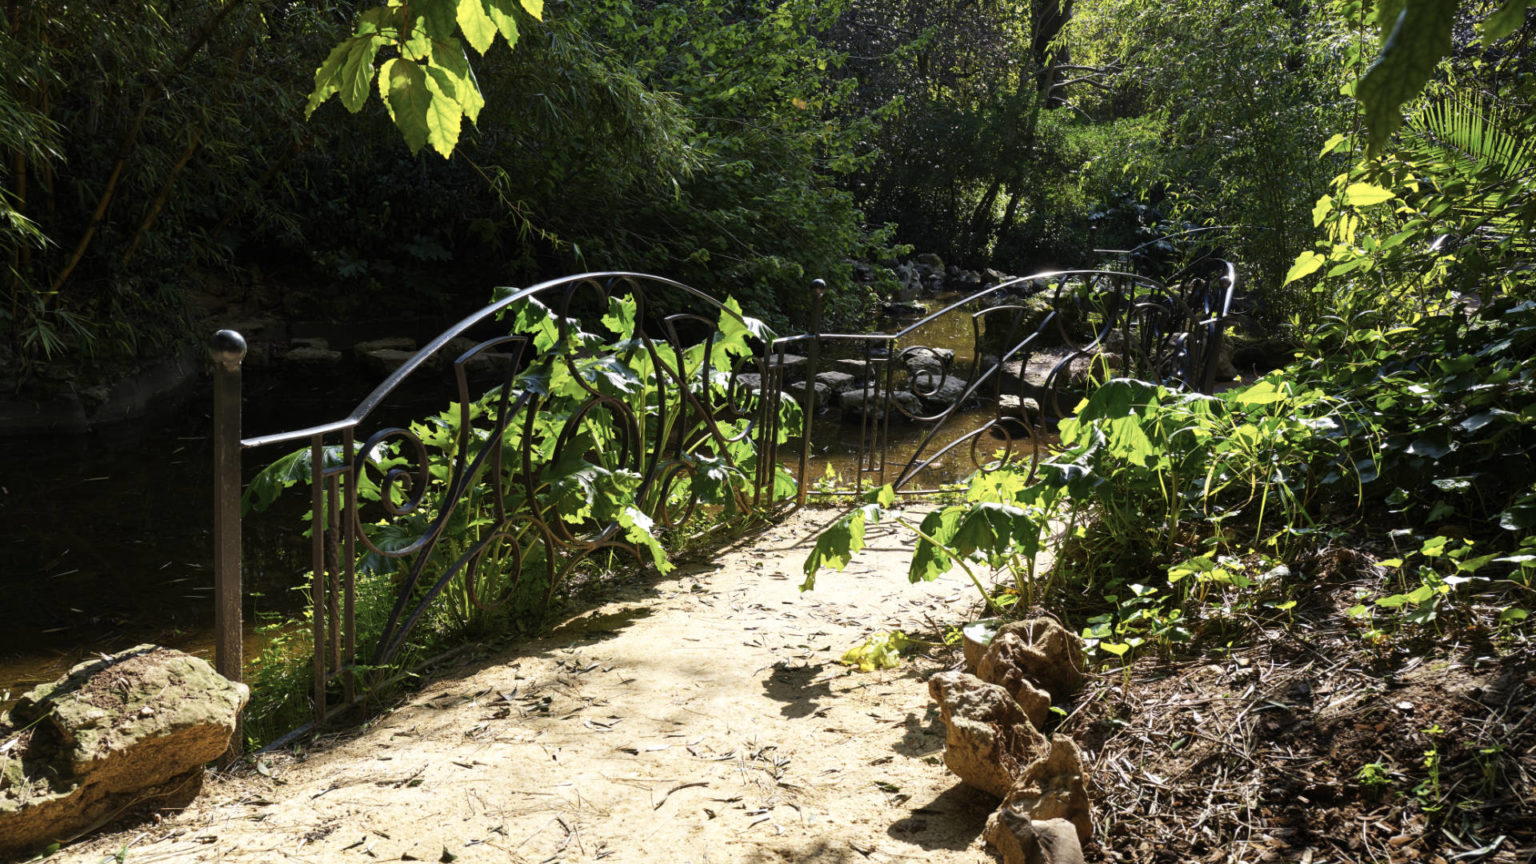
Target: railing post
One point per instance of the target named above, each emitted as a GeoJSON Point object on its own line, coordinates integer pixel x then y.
{"type": "Point", "coordinates": [228, 352]}
{"type": "Point", "coordinates": [819, 287]}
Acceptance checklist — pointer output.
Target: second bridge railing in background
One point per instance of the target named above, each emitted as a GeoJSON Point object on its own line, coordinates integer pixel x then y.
{"type": "Point", "coordinates": [989, 373]}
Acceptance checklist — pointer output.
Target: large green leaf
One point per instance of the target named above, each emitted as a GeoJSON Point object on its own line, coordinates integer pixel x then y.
{"type": "Point", "coordinates": [501, 13]}
{"type": "Point", "coordinates": [838, 544]}
{"type": "Point", "coordinates": [444, 114]}
{"type": "Point", "coordinates": [1506, 19]}
{"type": "Point", "coordinates": [328, 77]}
{"type": "Point", "coordinates": [478, 28]}
{"type": "Point", "coordinates": [638, 530]}
{"type": "Point", "coordinates": [404, 87]}
{"type": "Point", "coordinates": [450, 68]}
{"type": "Point", "coordinates": [1420, 36]}
{"type": "Point", "coordinates": [357, 72]}
{"type": "Point", "coordinates": [930, 560]}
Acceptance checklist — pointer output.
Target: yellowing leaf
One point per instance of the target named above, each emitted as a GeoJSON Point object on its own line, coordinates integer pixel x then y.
{"type": "Point", "coordinates": [444, 118]}
{"type": "Point", "coordinates": [478, 29]}
{"type": "Point", "coordinates": [535, 8]}
{"type": "Point", "coordinates": [409, 102]}
{"type": "Point", "coordinates": [1366, 194]}
{"type": "Point", "coordinates": [880, 651]}
{"type": "Point", "coordinates": [501, 12]}
{"type": "Point", "coordinates": [1321, 211]}
{"type": "Point", "coordinates": [1306, 264]}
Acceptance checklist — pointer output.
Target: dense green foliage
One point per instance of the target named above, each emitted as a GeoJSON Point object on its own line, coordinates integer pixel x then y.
{"type": "Point", "coordinates": [1406, 426]}
{"type": "Point", "coordinates": [144, 157]}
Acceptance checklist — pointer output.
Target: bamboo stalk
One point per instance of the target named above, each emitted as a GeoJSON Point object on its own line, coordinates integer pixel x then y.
{"type": "Point", "coordinates": [160, 197]}
{"type": "Point", "coordinates": [101, 204]}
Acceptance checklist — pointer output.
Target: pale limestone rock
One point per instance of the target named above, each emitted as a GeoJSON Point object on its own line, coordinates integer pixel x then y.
{"type": "Point", "coordinates": [988, 739]}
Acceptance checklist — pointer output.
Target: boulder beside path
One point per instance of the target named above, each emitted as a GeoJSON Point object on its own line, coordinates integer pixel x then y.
{"type": "Point", "coordinates": [124, 731]}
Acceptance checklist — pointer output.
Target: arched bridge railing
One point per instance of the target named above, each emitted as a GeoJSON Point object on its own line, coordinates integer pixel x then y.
{"type": "Point", "coordinates": [558, 444]}
{"type": "Point", "coordinates": [990, 372]}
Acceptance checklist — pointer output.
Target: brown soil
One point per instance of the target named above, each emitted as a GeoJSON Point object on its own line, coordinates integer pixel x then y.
{"type": "Point", "coordinates": [701, 717]}
{"type": "Point", "coordinates": [704, 717]}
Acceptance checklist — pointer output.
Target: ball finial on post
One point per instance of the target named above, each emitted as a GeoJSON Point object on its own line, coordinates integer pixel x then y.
{"type": "Point", "coordinates": [228, 348]}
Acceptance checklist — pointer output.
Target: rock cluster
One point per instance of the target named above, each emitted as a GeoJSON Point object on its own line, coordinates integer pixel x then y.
{"type": "Point", "coordinates": [993, 742]}
{"type": "Point", "coordinates": [123, 731]}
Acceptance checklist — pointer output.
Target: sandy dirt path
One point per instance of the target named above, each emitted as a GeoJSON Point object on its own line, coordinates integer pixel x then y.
{"type": "Point", "coordinates": [700, 717]}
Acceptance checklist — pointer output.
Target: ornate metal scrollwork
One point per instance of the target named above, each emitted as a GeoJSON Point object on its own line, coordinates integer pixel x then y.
{"type": "Point", "coordinates": [534, 415]}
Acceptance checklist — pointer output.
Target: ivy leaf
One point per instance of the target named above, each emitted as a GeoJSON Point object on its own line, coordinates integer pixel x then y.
{"type": "Point", "coordinates": [1420, 36]}
{"type": "Point", "coordinates": [478, 29]}
{"type": "Point", "coordinates": [1506, 19]}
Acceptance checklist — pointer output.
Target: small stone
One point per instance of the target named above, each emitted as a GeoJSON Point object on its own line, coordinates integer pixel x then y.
{"type": "Point", "coordinates": [838, 381]}
{"type": "Point", "coordinates": [794, 365]}
{"type": "Point", "coordinates": [393, 343]}
{"type": "Point", "coordinates": [385, 360]}
{"type": "Point", "coordinates": [859, 369]}
{"type": "Point", "coordinates": [309, 356]}
{"type": "Point", "coordinates": [798, 389]}
{"type": "Point", "coordinates": [1021, 840]}
{"type": "Point", "coordinates": [857, 403]}
{"type": "Point", "coordinates": [1226, 370]}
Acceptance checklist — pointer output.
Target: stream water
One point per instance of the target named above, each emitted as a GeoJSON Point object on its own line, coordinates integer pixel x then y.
{"type": "Point", "coordinates": [105, 538]}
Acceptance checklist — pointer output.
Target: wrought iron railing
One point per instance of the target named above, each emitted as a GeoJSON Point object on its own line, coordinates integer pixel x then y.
{"type": "Point", "coordinates": [658, 408]}
{"type": "Point", "coordinates": [1087, 323]}
{"type": "Point", "coordinates": [1084, 325]}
